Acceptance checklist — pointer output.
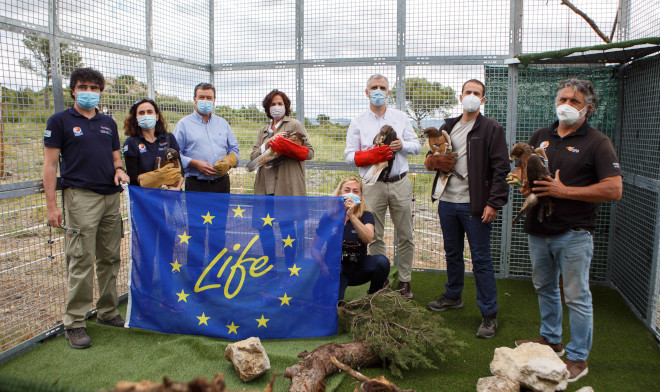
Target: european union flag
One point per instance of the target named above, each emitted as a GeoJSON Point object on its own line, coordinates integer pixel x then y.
{"type": "Point", "coordinates": [234, 266]}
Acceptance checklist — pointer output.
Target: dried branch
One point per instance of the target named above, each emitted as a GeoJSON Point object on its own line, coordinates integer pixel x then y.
{"type": "Point", "coordinates": [588, 19]}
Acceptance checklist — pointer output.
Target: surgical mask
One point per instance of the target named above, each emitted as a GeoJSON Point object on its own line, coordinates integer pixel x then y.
{"type": "Point", "coordinates": [569, 115]}
{"type": "Point", "coordinates": [353, 196]}
{"type": "Point", "coordinates": [277, 112]}
{"type": "Point", "coordinates": [87, 99]}
{"type": "Point", "coordinates": [377, 97]}
{"type": "Point", "coordinates": [471, 103]}
{"type": "Point", "coordinates": [204, 107]}
{"type": "Point", "coordinates": [148, 121]}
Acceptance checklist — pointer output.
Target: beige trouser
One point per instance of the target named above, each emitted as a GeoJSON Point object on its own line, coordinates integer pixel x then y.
{"type": "Point", "coordinates": [93, 235]}
{"type": "Point", "coordinates": [398, 197]}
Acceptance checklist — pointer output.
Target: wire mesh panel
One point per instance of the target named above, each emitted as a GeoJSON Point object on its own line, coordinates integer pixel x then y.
{"type": "Point", "coordinates": [116, 21]}
{"type": "Point", "coordinates": [28, 11]}
{"type": "Point", "coordinates": [181, 29]}
{"type": "Point", "coordinates": [346, 28]}
{"type": "Point", "coordinates": [643, 19]}
{"type": "Point", "coordinates": [537, 90]}
{"type": "Point", "coordinates": [635, 250]}
{"type": "Point", "coordinates": [254, 31]}
{"type": "Point", "coordinates": [440, 28]}
{"type": "Point", "coordinates": [549, 25]}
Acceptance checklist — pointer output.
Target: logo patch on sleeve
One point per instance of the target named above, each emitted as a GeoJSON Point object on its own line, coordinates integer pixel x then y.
{"type": "Point", "coordinates": [47, 133]}
{"type": "Point", "coordinates": [616, 165]}
{"type": "Point", "coordinates": [124, 149]}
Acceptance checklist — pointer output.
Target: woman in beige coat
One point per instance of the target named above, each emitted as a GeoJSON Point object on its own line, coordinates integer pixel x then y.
{"type": "Point", "coordinates": [285, 179]}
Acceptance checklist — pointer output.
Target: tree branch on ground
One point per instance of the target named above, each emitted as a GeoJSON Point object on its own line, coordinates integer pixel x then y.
{"type": "Point", "coordinates": [379, 384]}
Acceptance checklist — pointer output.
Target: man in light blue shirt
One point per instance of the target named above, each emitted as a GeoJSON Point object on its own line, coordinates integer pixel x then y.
{"type": "Point", "coordinates": [206, 141]}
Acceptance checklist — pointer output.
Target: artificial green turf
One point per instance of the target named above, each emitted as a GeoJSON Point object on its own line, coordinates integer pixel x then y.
{"type": "Point", "coordinates": [625, 356]}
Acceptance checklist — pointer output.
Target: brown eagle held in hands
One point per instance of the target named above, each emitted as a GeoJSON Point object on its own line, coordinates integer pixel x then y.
{"type": "Point", "coordinates": [381, 170]}
{"type": "Point", "coordinates": [171, 156]}
{"type": "Point", "coordinates": [440, 143]}
{"type": "Point", "coordinates": [533, 166]}
{"type": "Point", "coordinates": [270, 158]}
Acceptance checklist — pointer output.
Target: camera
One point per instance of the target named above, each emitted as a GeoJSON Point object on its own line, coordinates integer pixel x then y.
{"type": "Point", "coordinates": [349, 257]}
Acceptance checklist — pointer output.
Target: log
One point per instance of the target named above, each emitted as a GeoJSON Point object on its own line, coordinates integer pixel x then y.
{"type": "Point", "coordinates": [198, 384]}
{"type": "Point", "coordinates": [308, 374]}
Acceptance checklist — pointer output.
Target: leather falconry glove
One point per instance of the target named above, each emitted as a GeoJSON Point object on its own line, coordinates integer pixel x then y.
{"type": "Point", "coordinates": [167, 175]}
{"type": "Point", "coordinates": [288, 148]}
{"type": "Point", "coordinates": [375, 155]}
{"type": "Point", "coordinates": [222, 166]}
{"type": "Point", "coordinates": [440, 162]}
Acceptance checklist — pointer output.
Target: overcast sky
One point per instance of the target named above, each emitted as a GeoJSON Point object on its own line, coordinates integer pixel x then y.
{"type": "Point", "coordinates": [247, 31]}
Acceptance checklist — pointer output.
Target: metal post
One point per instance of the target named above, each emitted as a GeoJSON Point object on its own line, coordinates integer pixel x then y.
{"type": "Point", "coordinates": [515, 48]}
{"type": "Point", "coordinates": [148, 12]}
{"type": "Point", "coordinates": [300, 56]}
{"type": "Point", "coordinates": [401, 55]}
{"type": "Point", "coordinates": [55, 60]}
{"type": "Point", "coordinates": [623, 21]}
{"type": "Point", "coordinates": [211, 41]}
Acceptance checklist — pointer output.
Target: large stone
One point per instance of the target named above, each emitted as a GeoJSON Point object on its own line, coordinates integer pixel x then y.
{"type": "Point", "coordinates": [534, 365]}
{"type": "Point", "coordinates": [585, 389]}
{"type": "Point", "coordinates": [497, 384]}
{"type": "Point", "coordinates": [249, 358]}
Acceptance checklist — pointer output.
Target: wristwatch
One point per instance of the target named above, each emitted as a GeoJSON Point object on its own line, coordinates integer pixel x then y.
{"type": "Point", "coordinates": [122, 168]}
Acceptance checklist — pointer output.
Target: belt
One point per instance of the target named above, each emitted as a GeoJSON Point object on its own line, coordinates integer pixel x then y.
{"type": "Point", "coordinates": [394, 178]}
{"type": "Point", "coordinates": [205, 181]}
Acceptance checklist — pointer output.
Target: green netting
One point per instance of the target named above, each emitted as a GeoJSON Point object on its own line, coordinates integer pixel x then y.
{"type": "Point", "coordinates": [526, 59]}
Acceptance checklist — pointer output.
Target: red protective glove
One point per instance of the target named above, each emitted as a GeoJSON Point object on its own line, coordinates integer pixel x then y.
{"type": "Point", "coordinates": [375, 155]}
{"type": "Point", "coordinates": [286, 147]}
{"type": "Point", "coordinates": [440, 162]}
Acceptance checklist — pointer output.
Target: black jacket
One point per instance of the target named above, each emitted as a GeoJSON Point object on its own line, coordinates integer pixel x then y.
{"type": "Point", "coordinates": [488, 164]}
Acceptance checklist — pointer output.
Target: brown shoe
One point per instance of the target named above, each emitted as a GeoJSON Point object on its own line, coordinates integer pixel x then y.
{"type": "Point", "coordinates": [406, 291]}
{"type": "Point", "coordinates": [116, 321]}
{"type": "Point", "coordinates": [78, 338]}
{"type": "Point", "coordinates": [576, 369]}
{"type": "Point", "coordinates": [558, 348]}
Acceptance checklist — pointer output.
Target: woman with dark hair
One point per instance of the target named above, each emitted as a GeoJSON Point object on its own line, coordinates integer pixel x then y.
{"type": "Point", "coordinates": [288, 178]}
{"type": "Point", "coordinates": [147, 140]}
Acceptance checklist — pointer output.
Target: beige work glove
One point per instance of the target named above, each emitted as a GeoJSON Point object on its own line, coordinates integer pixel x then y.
{"type": "Point", "coordinates": [167, 175]}
{"type": "Point", "coordinates": [226, 163]}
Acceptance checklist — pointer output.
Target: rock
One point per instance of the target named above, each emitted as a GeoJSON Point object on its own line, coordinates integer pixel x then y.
{"type": "Point", "coordinates": [249, 358]}
{"type": "Point", "coordinates": [585, 389]}
{"type": "Point", "coordinates": [534, 366]}
{"type": "Point", "coordinates": [497, 384]}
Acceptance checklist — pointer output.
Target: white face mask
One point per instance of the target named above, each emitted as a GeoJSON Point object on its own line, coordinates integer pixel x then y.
{"type": "Point", "coordinates": [277, 112]}
{"type": "Point", "coordinates": [569, 115]}
{"type": "Point", "coordinates": [471, 103]}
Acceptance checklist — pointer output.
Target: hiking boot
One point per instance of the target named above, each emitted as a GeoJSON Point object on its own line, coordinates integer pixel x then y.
{"type": "Point", "coordinates": [78, 338]}
{"type": "Point", "coordinates": [405, 289]}
{"type": "Point", "coordinates": [558, 348]}
{"type": "Point", "coordinates": [443, 303]}
{"type": "Point", "coordinates": [576, 369]}
{"type": "Point", "coordinates": [116, 321]}
{"type": "Point", "coordinates": [488, 327]}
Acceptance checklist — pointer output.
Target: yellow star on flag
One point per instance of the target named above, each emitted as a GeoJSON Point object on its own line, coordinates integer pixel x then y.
{"type": "Point", "coordinates": [294, 270]}
{"type": "Point", "coordinates": [203, 319]}
{"type": "Point", "coordinates": [176, 266]}
{"type": "Point", "coordinates": [268, 220]}
{"type": "Point", "coordinates": [182, 296]}
{"type": "Point", "coordinates": [184, 238]}
{"type": "Point", "coordinates": [208, 218]}
{"type": "Point", "coordinates": [238, 211]}
{"type": "Point", "coordinates": [288, 241]}
{"type": "Point", "coordinates": [233, 328]}
{"type": "Point", "coordinates": [285, 300]}
{"type": "Point", "coordinates": [262, 321]}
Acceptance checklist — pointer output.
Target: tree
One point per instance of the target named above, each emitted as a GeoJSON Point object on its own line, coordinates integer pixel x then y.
{"type": "Point", "coordinates": [40, 62]}
{"type": "Point", "coordinates": [323, 119]}
{"type": "Point", "coordinates": [425, 98]}
{"type": "Point", "coordinates": [122, 84]}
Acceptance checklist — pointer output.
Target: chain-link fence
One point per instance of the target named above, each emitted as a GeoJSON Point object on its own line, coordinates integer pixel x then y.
{"type": "Point", "coordinates": [320, 53]}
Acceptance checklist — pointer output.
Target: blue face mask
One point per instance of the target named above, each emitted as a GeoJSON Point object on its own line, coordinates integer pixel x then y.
{"type": "Point", "coordinates": [353, 196]}
{"type": "Point", "coordinates": [205, 107]}
{"type": "Point", "coordinates": [148, 121]}
{"type": "Point", "coordinates": [87, 99]}
{"type": "Point", "coordinates": [377, 97]}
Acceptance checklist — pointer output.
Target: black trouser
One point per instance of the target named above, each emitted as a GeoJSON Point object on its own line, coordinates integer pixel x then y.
{"type": "Point", "coordinates": [219, 185]}
{"type": "Point", "coordinates": [374, 269]}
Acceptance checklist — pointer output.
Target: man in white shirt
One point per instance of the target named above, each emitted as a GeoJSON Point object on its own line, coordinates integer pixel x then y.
{"type": "Point", "coordinates": [395, 191]}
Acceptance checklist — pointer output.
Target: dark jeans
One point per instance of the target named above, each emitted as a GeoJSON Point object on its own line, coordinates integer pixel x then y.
{"type": "Point", "coordinates": [369, 268]}
{"type": "Point", "coordinates": [456, 222]}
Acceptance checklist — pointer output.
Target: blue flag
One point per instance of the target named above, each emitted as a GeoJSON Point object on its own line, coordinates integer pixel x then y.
{"type": "Point", "coordinates": [234, 266]}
